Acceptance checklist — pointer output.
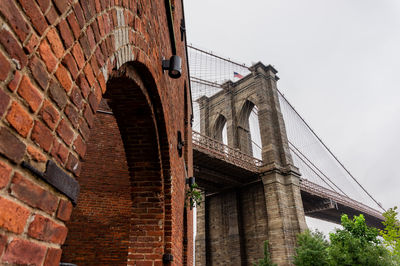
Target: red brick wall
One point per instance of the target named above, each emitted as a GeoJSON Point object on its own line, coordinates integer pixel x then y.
{"type": "Point", "coordinates": [56, 59]}
{"type": "Point", "coordinates": [100, 223]}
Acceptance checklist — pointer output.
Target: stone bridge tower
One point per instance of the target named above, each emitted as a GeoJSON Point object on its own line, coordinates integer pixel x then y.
{"type": "Point", "coordinates": [232, 225]}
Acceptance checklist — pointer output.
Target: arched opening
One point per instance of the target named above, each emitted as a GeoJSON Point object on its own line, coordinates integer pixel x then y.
{"type": "Point", "coordinates": [249, 130]}
{"type": "Point", "coordinates": [219, 130]}
{"type": "Point", "coordinates": [255, 133]}
{"type": "Point", "coordinates": [121, 213]}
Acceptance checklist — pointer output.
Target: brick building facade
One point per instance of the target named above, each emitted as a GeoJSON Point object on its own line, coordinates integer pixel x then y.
{"type": "Point", "coordinates": [85, 105]}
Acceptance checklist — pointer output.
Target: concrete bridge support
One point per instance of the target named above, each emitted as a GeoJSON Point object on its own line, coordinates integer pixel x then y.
{"type": "Point", "coordinates": [233, 224]}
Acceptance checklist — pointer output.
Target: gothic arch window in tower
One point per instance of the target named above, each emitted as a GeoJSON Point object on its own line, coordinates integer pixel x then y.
{"type": "Point", "coordinates": [255, 136]}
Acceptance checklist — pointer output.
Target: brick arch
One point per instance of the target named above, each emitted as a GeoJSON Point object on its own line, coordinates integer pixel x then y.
{"type": "Point", "coordinates": [137, 73]}
{"type": "Point", "coordinates": [125, 181]}
{"type": "Point", "coordinates": [56, 58]}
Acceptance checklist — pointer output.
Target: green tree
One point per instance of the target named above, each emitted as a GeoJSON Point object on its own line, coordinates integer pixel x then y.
{"type": "Point", "coordinates": [357, 244]}
{"type": "Point", "coordinates": [312, 249]}
{"type": "Point", "coordinates": [266, 261]}
{"type": "Point", "coordinates": [391, 233]}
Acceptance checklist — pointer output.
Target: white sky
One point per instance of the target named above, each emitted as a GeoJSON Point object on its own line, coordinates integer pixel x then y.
{"type": "Point", "coordinates": [339, 64]}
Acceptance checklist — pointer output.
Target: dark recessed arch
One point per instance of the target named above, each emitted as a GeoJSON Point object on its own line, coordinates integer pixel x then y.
{"type": "Point", "coordinates": [125, 200]}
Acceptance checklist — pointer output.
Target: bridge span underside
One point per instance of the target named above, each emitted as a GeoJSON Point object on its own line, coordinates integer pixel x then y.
{"type": "Point", "coordinates": [232, 222]}
{"type": "Point", "coordinates": [211, 171]}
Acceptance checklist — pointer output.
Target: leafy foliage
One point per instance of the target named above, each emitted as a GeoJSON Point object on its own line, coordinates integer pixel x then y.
{"type": "Point", "coordinates": [356, 244]}
{"type": "Point", "coordinates": [266, 261]}
{"type": "Point", "coordinates": [312, 249]}
{"type": "Point", "coordinates": [193, 196]}
{"type": "Point", "coordinates": [391, 233]}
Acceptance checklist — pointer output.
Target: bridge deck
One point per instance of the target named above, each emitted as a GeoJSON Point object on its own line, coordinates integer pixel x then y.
{"type": "Point", "coordinates": [219, 167]}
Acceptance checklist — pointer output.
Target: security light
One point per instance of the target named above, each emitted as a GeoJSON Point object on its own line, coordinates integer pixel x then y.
{"type": "Point", "coordinates": [173, 65]}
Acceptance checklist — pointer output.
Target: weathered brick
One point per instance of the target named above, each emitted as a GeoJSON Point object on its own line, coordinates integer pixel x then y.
{"type": "Point", "coordinates": [70, 63]}
{"type": "Point", "coordinates": [79, 15]}
{"type": "Point", "coordinates": [13, 85]}
{"type": "Point", "coordinates": [4, 67]}
{"type": "Point", "coordinates": [74, 25]}
{"type": "Point", "coordinates": [34, 13]}
{"type": "Point", "coordinates": [97, 6]}
{"type": "Point", "coordinates": [78, 55]}
{"type": "Point", "coordinates": [94, 103]}
{"type": "Point", "coordinates": [97, 91]}
{"type": "Point", "coordinates": [102, 82]}
{"type": "Point", "coordinates": [64, 78]}
{"type": "Point", "coordinates": [62, 5]}
{"type": "Point", "coordinates": [42, 136]}
{"type": "Point", "coordinates": [66, 33]}
{"type": "Point", "coordinates": [72, 115]}
{"type": "Point", "coordinates": [32, 43]}
{"type": "Point", "coordinates": [65, 132]}
{"type": "Point", "coordinates": [49, 114]}
{"type": "Point", "coordinates": [3, 243]}
{"type": "Point", "coordinates": [83, 40]}
{"type": "Point", "coordinates": [64, 210]}
{"type": "Point", "coordinates": [19, 119]}
{"type": "Point", "coordinates": [76, 98]}
{"type": "Point", "coordinates": [5, 173]}
{"type": "Point", "coordinates": [13, 216]}
{"type": "Point", "coordinates": [15, 19]}
{"type": "Point", "coordinates": [36, 154]}
{"type": "Point", "coordinates": [84, 129]}
{"type": "Point", "coordinates": [59, 152]}
{"type": "Point", "coordinates": [4, 101]}
{"type": "Point", "coordinates": [88, 114]}
{"type": "Point", "coordinates": [73, 164]}
{"type": "Point", "coordinates": [57, 94]}
{"type": "Point", "coordinates": [99, 56]}
{"type": "Point", "coordinates": [13, 48]}
{"type": "Point", "coordinates": [24, 252]}
{"type": "Point", "coordinates": [39, 72]}
{"type": "Point", "coordinates": [32, 194]}
{"type": "Point", "coordinates": [44, 229]}
{"type": "Point", "coordinates": [107, 23]}
{"type": "Point", "coordinates": [80, 146]}
{"type": "Point", "coordinates": [100, 22]}
{"type": "Point", "coordinates": [96, 32]}
{"type": "Point", "coordinates": [44, 5]}
{"type": "Point", "coordinates": [55, 43]}
{"type": "Point", "coordinates": [30, 93]}
{"type": "Point", "coordinates": [83, 85]}
{"type": "Point", "coordinates": [104, 4]}
{"type": "Point", "coordinates": [94, 65]}
{"type": "Point", "coordinates": [11, 146]}
{"type": "Point", "coordinates": [47, 55]}
{"type": "Point", "coordinates": [144, 263]}
{"type": "Point", "coordinates": [88, 9]}
{"type": "Point", "coordinates": [53, 257]}
{"type": "Point", "coordinates": [52, 15]}
{"type": "Point", "coordinates": [89, 75]}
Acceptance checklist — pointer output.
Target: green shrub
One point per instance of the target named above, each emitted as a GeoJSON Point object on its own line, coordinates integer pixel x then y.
{"type": "Point", "coordinates": [312, 249]}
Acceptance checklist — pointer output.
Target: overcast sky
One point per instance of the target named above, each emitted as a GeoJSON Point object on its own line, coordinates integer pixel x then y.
{"type": "Point", "coordinates": [339, 64]}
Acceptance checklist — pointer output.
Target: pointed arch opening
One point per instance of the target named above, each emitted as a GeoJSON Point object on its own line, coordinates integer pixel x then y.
{"type": "Point", "coordinates": [249, 134]}
{"type": "Point", "coordinates": [220, 130]}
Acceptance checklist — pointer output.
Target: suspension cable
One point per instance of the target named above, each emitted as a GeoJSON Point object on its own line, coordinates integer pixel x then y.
{"type": "Point", "coordinates": [330, 152]}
